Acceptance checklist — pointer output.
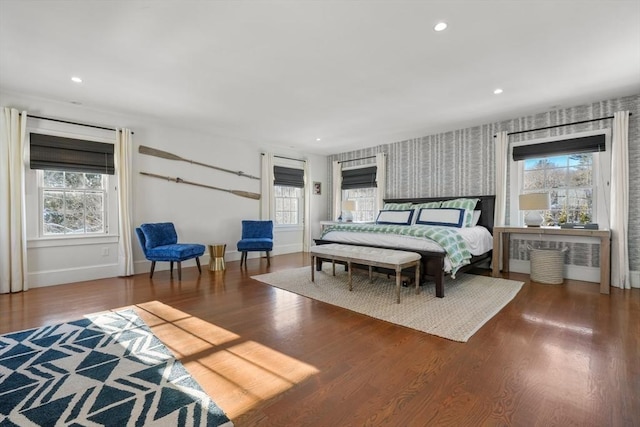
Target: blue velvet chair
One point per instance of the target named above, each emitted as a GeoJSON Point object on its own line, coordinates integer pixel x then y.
{"type": "Point", "coordinates": [159, 242]}
{"type": "Point", "coordinates": [257, 236]}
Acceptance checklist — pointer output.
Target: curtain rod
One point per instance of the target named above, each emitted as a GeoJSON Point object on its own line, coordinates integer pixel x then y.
{"type": "Point", "coordinates": [71, 123]}
{"type": "Point", "coordinates": [558, 126]}
{"type": "Point", "coordinates": [288, 158]}
{"type": "Point", "coordinates": [355, 160]}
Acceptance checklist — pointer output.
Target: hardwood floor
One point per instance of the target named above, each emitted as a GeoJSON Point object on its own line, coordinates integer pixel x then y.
{"type": "Point", "coordinates": [556, 355]}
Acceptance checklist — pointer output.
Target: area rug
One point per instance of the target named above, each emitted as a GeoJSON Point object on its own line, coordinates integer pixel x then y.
{"type": "Point", "coordinates": [106, 369]}
{"type": "Point", "coordinates": [469, 302]}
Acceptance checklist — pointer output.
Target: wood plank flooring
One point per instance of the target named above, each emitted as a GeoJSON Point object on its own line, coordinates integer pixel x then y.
{"type": "Point", "coordinates": [556, 355]}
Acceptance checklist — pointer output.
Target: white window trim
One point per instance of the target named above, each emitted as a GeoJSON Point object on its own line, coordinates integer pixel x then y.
{"type": "Point", "coordinates": [368, 165]}
{"type": "Point", "coordinates": [35, 239]}
{"type": "Point", "coordinates": [290, 163]}
{"type": "Point", "coordinates": [601, 176]}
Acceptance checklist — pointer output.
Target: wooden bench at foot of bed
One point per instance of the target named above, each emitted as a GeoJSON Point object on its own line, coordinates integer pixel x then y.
{"type": "Point", "coordinates": [369, 256]}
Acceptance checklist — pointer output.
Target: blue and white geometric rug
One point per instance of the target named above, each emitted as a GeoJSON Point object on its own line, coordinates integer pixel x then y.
{"type": "Point", "coordinates": [106, 369]}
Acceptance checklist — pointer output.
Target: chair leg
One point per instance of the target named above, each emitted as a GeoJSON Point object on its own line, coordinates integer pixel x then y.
{"type": "Point", "coordinates": [179, 270]}
{"type": "Point", "coordinates": [243, 258]}
{"type": "Point", "coordinates": [153, 267]}
{"type": "Point", "coordinates": [198, 262]}
{"type": "Point", "coordinates": [171, 267]}
{"type": "Point", "coordinates": [268, 259]}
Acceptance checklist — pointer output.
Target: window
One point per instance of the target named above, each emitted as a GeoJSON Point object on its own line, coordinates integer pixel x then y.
{"type": "Point", "coordinates": [288, 205]}
{"type": "Point", "coordinates": [574, 170]}
{"type": "Point", "coordinates": [71, 188]}
{"type": "Point", "coordinates": [288, 192]}
{"type": "Point", "coordinates": [359, 185]}
{"type": "Point", "coordinates": [569, 181]}
{"type": "Point", "coordinates": [365, 199]}
{"type": "Point", "coordinates": [72, 203]}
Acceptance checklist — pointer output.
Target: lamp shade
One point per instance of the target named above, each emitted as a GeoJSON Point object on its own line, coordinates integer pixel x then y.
{"type": "Point", "coordinates": [349, 205]}
{"type": "Point", "coordinates": [534, 201]}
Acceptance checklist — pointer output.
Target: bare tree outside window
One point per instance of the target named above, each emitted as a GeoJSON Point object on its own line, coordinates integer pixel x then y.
{"type": "Point", "coordinates": [73, 203]}
{"type": "Point", "coordinates": [569, 181]}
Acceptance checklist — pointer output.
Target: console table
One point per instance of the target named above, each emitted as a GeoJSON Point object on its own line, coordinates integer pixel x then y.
{"type": "Point", "coordinates": [501, 235]}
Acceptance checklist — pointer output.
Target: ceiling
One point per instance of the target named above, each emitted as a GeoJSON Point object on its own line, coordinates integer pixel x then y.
{"type": "Point", "coordinates": [351, 73]}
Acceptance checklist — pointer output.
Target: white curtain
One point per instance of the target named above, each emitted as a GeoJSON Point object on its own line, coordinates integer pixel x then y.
{"type": "Point", "coordinates": [123, 159]}
{"type": "Point", "coordinates": [13, 227]}
{"type": "Point", "coordinates": [337, 190]}
{"type": "Point", "coordinates": [620, 201]}
{"type": "Point", "coordinates": [306, 239]}
{"type": "Point", "coordinates": [267, 210]}
{"type": "Point", "coordinates": [501, 154]}
{"type": "Point", "coordinates": [381, 180]}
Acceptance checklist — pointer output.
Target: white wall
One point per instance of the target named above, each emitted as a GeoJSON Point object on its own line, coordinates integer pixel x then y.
{"type": "Point", "coordinates": [201, 215]}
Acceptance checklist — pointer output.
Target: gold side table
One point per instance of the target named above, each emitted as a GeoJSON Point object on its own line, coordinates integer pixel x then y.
{"type": "Point", "coordinates": [216, 256]}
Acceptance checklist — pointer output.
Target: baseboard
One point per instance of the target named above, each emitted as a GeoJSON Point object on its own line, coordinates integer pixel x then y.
{"type": "Point", "coordinates": [280, 250]}
{"type": "Point", "coordinates": [573, 272]}
{"type": "Point", "coordinates": [635, 279]}
{"type": "Point", "coordinates": [41, 279]}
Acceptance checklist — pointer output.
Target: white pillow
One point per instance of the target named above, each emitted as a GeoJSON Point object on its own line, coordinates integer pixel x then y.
{"type": "Point", "coordinates": [397, 217]}
{"type": "Point", "coordinates": [445, 217]}
{"type": "Point", "coordinates": [468, 204]}
{"type": "Point", "coordinates": [476, 218]}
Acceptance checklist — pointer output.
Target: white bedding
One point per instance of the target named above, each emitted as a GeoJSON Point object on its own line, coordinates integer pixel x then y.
{"type": "Point", "coordinates": [478, 238]}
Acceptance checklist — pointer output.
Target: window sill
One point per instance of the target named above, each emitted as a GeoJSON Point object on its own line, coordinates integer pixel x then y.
{"type": "Point", "coordinates": [52, 242]}
{"type": "Point", "coordinates": [288, 227]}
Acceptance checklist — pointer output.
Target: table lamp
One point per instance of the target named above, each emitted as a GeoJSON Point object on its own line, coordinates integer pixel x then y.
{"type": "Point", "coordinates": [534, 203]}
{"type": "Point", "coordinates": [348, 206]}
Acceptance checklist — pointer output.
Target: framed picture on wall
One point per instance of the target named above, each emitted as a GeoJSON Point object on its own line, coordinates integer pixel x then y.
{"type": "Point", "coordinates": [317, 188]}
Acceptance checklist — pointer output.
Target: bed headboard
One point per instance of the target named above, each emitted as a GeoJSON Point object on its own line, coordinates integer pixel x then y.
{"type": "Point", "coordinates": [486, 205]}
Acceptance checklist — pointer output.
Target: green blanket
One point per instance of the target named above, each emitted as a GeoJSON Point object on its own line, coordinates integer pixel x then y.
{"type": "Point", "coordinates": [455, 247]}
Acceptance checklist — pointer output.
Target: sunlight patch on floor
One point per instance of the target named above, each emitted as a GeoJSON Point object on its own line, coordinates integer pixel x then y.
{"type": "Point", "coordinates": [238, 374]}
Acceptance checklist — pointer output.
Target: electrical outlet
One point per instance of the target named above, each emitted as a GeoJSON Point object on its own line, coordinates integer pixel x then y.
{"type": "Point", "coordinates": [105, 251]}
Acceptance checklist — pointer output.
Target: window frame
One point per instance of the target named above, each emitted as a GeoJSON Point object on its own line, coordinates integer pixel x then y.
{"type": "Point", "coordinates": [105, 205]}
{"type": "Point", "coordinates": [33, 188]}
{"type": "Point", "coordinates": [601, 175]}
{"type": "Point", "coordinates": [294, 164]}
{"type": "Point", "coordinates": [375, 195]}
{"type": "Point", "coordinates": [300, 210]}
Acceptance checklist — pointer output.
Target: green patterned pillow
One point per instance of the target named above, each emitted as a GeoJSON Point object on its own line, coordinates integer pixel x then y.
{"type": "Point", "coordinates": [467, 204]}
{"type": "Point", "coordinates": [427, 205]}
{"type": "Point", "coordinates": [397, 206]}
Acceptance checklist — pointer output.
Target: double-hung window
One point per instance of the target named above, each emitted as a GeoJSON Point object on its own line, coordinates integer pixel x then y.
{"type": "Point", "coordinates": [289, 195]}
{"type": "Point", "coordinates": [359, 185]}
{"type": "Point", "coordinates": [574, 170]}
{"type": "Point", "coordinates": [73, 185]}
{"type": "Point", "coordinates": [73, 203]}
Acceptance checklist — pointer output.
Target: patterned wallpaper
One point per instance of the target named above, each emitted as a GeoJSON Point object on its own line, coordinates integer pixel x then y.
{"type": "Point", "coordinates": [461, 162]}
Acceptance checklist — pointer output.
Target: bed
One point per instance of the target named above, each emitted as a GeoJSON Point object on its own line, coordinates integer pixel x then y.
{"type": "Point", "coordinates": [436, 261]}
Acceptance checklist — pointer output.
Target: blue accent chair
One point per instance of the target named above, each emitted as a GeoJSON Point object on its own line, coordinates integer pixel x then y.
{"type": "Point", "coordinates": [159, 242]}
{"type": "Point", "coordinates": [257, 236]}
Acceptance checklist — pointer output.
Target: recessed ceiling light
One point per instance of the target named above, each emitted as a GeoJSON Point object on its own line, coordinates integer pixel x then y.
{"type": "Point", "coordinates": [318, 139]}
{"type": "Point", "coordinates": [497, 91]}
{"type": "Point", "coordinates": [440, 26]}
{"type": "Point", "coordinates": [76, 79]}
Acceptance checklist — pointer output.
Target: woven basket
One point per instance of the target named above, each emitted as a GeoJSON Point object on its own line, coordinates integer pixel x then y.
{"type": "Point", "coordinates": [547, 265]}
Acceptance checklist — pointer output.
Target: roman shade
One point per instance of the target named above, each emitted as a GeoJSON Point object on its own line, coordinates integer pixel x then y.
{"type": "Point", "coordinates": [69, 154]}
{"type": "Point", "coordinates": [359, 178]}
{"type": "Point", "coordinates": [587, 144]}
{"type": "Point", "coordinates": [288, 177]}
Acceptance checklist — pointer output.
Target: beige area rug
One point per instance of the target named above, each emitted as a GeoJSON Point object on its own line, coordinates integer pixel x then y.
{"type": "Point", "coordinates": [469, 302]}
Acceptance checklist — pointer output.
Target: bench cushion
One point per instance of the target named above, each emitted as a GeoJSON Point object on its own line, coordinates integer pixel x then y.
{"type": "Point", "coordinates": [365, 253]}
